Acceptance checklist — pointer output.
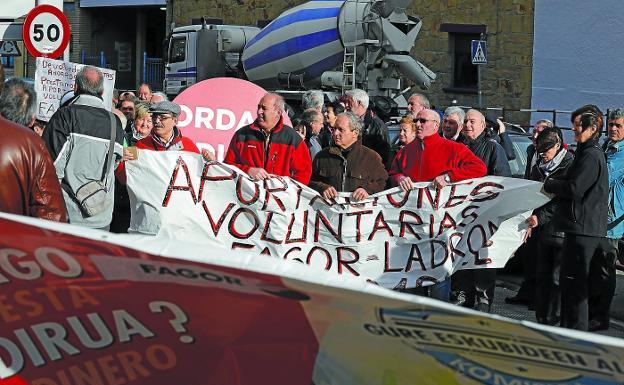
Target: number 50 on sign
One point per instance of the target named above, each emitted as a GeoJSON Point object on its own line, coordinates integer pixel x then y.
{"type": "Point", "coordinates": [46, 31]}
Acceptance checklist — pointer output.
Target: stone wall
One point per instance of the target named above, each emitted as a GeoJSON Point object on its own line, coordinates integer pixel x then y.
{"type": "Point", "coordinates": [230, 11]}
{"type": "Point", "coordinates": [506, 78]}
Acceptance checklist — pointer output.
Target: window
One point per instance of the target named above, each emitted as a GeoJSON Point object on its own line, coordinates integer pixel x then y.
{"type": "Point", "coordinates": [177, 49]}
{"type": "Point", "coordinates": [464, 76]}
{"type": "Point", "coordinates": [465, 73]}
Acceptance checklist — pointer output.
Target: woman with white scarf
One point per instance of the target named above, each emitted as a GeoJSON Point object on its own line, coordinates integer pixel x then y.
{"type": "Point", "coordinates": [553, 162]}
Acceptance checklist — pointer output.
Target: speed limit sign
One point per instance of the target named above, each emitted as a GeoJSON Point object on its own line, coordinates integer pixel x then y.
{"type": "Point", "coordinates": [46, 31]}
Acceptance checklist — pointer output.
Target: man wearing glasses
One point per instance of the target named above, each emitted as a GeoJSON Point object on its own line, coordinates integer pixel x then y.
{"type": "Point", "coordinates": [432, 158]}
{"type": "Point", "coordinates": [165, 135]}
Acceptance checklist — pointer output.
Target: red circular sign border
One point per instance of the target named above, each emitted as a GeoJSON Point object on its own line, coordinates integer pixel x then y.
{"type": "Point", "coordinates": [26, 28]}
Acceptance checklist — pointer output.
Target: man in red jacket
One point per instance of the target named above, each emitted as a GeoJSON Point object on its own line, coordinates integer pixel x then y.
{"type": "Point", "coordinates": [268, 146]}
{"type": "Point", "coordinates": [165, 135]}
{"type": "Point", "coordinates": [431, 157]}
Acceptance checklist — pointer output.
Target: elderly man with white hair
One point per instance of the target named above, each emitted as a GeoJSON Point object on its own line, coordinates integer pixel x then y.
{"type": "Point", "coordinates": [416, 103]}
{"type": "Point", "coordinates": [453, 123]}
{"type": "Point", "coordinates": [270, 147]}
{"type": "Point", "coordinates": [375, 133]}
{"type": "Point", "coordinates": [479, 284]}
{"type": "Point", "coordinates": [431, 158]}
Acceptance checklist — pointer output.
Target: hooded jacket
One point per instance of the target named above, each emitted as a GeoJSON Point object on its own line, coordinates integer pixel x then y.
{"type": "Point", "coordinates": [280, 152]}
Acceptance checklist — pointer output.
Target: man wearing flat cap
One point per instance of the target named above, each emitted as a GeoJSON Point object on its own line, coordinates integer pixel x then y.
{"type": "Point", "coordinates": [165, 135]}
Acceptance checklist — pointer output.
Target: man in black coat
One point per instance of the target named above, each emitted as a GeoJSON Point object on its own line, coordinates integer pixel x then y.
{"type": "Point", "coordinates": [479, 284]}
{"type": "Point", "coordinates": [582, 216]}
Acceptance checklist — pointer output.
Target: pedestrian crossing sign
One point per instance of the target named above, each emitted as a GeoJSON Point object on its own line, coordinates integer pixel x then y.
{"type": "Point", "coordinates": [479, 52]}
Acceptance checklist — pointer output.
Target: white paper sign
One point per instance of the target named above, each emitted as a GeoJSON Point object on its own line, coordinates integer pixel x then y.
{"type": "Point", "coordinates": [53, 78]}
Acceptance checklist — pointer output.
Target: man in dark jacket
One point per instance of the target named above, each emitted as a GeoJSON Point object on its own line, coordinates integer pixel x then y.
{"type": "Point", "coordinates": [268, 146]}
{"type": "Point", "coordinates": [483, 145]}
{"type": "Point", "coordinates": [374, 130]}
{"type": "Point", "coordinates": [348, 166]}
{"type": "Point", "coordinates": [27, 176]}
{"type": "Point", "coordinates": [480, 283]}
{"type": "Point", "coordinates": [582, 216]}
{"type": "Point", "coordinates": [539, 126]}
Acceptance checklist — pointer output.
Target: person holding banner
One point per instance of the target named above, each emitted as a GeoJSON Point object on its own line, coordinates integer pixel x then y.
{"type": "Point", "coordinates": [480, 284]}
{"type": "Point", "coordinates": [582, 216]}
{"type": "Point", "coordinates": [553, 162]}
{"type": "Point", "coordinates": [268, 146]}
{"type": "Point", "coordinates": [165, 134]}
{"type": "Point", "coordinates": [348, 166]}
{"type": "Point", "coordinates": [432, 158]}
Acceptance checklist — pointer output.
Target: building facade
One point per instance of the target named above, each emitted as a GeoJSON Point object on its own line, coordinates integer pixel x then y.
{"type": "Point", "coordinates": [443, 44]}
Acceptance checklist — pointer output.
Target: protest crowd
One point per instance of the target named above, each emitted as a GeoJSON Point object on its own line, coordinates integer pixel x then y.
{"type": "Point", "coordinates": [71, 169]}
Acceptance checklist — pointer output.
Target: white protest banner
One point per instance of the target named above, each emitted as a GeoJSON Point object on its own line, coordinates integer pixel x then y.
{"type": "Point", "coordinates": [393, 238]}
{"type": "Point", "coordinates": [53, 78]}
{"type": "Point", "coordinates": [81, 306]}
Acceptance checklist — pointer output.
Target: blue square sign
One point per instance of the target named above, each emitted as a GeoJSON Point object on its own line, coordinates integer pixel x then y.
{"type": "Point", "coordinates": [478, 52]}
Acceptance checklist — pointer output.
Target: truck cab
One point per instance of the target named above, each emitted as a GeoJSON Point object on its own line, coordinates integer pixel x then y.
{"type": "Point", "coordinates": [199, 52]}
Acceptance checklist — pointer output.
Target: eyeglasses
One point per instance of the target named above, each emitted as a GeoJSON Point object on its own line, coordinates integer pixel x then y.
{"type": "Point", "coordinates": [162, 118]}
{"type": "Point", "coordinates": [616, 125]}
{"type": "Point", "coordinates": [423, 120]}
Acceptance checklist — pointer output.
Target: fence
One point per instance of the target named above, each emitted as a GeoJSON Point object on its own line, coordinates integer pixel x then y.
{"type": "Point", "coordinates": [98, 60]}
{"type": "Point", "coordinates": [153, 68]}
{"type": "Point", "coordinates": [560, 118]}
{"type": "Point", "coordinates": [153, 71]}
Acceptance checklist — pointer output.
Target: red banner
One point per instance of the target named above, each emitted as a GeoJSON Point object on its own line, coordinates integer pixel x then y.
{"type": "Point", "coordinates": [80, 307]}
{"type": "Point", "coordinates": [71, 325]}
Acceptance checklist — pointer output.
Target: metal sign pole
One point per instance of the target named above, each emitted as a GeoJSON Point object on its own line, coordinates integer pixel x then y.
{"type": "Point", "coordinates": [479, 87]}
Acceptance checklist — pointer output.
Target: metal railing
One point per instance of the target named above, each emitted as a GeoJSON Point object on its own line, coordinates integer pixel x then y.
{"type": "Point", "coordinates": [552, 112]}
{"type": "Point", "coordinates": [153, 71]}
{"type": "Point", "coordinates": [98, 60]}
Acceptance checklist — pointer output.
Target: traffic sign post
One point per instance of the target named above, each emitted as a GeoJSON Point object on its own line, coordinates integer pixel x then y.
{"type": "Point", "coordinates": [478, 52]}
{"type": "Point", "coordinates": [478, 55]}
{"type": "Point", "coordinates": [9, 48]}
{"type": "Point", "coordinates": [46, 31]}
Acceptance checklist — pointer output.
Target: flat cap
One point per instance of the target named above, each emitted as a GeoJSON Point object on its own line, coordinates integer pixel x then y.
{"type": "Point", "coordinates": [165, 107]}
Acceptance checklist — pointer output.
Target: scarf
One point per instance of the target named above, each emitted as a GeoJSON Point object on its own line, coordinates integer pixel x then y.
{"type": "Point", "coordinates": [551, 165]}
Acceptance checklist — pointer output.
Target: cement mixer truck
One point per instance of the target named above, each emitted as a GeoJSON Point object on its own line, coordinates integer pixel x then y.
{"type": "Point", "coordinates": [334, 45]}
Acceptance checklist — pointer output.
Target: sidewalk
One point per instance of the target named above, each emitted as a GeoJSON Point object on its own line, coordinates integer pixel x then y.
{"type": "Point", "coordinates": [508, 284]}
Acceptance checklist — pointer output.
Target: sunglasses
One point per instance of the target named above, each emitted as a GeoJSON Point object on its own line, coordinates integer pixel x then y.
{"type": "Point", "coordinates": [423, 120]}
